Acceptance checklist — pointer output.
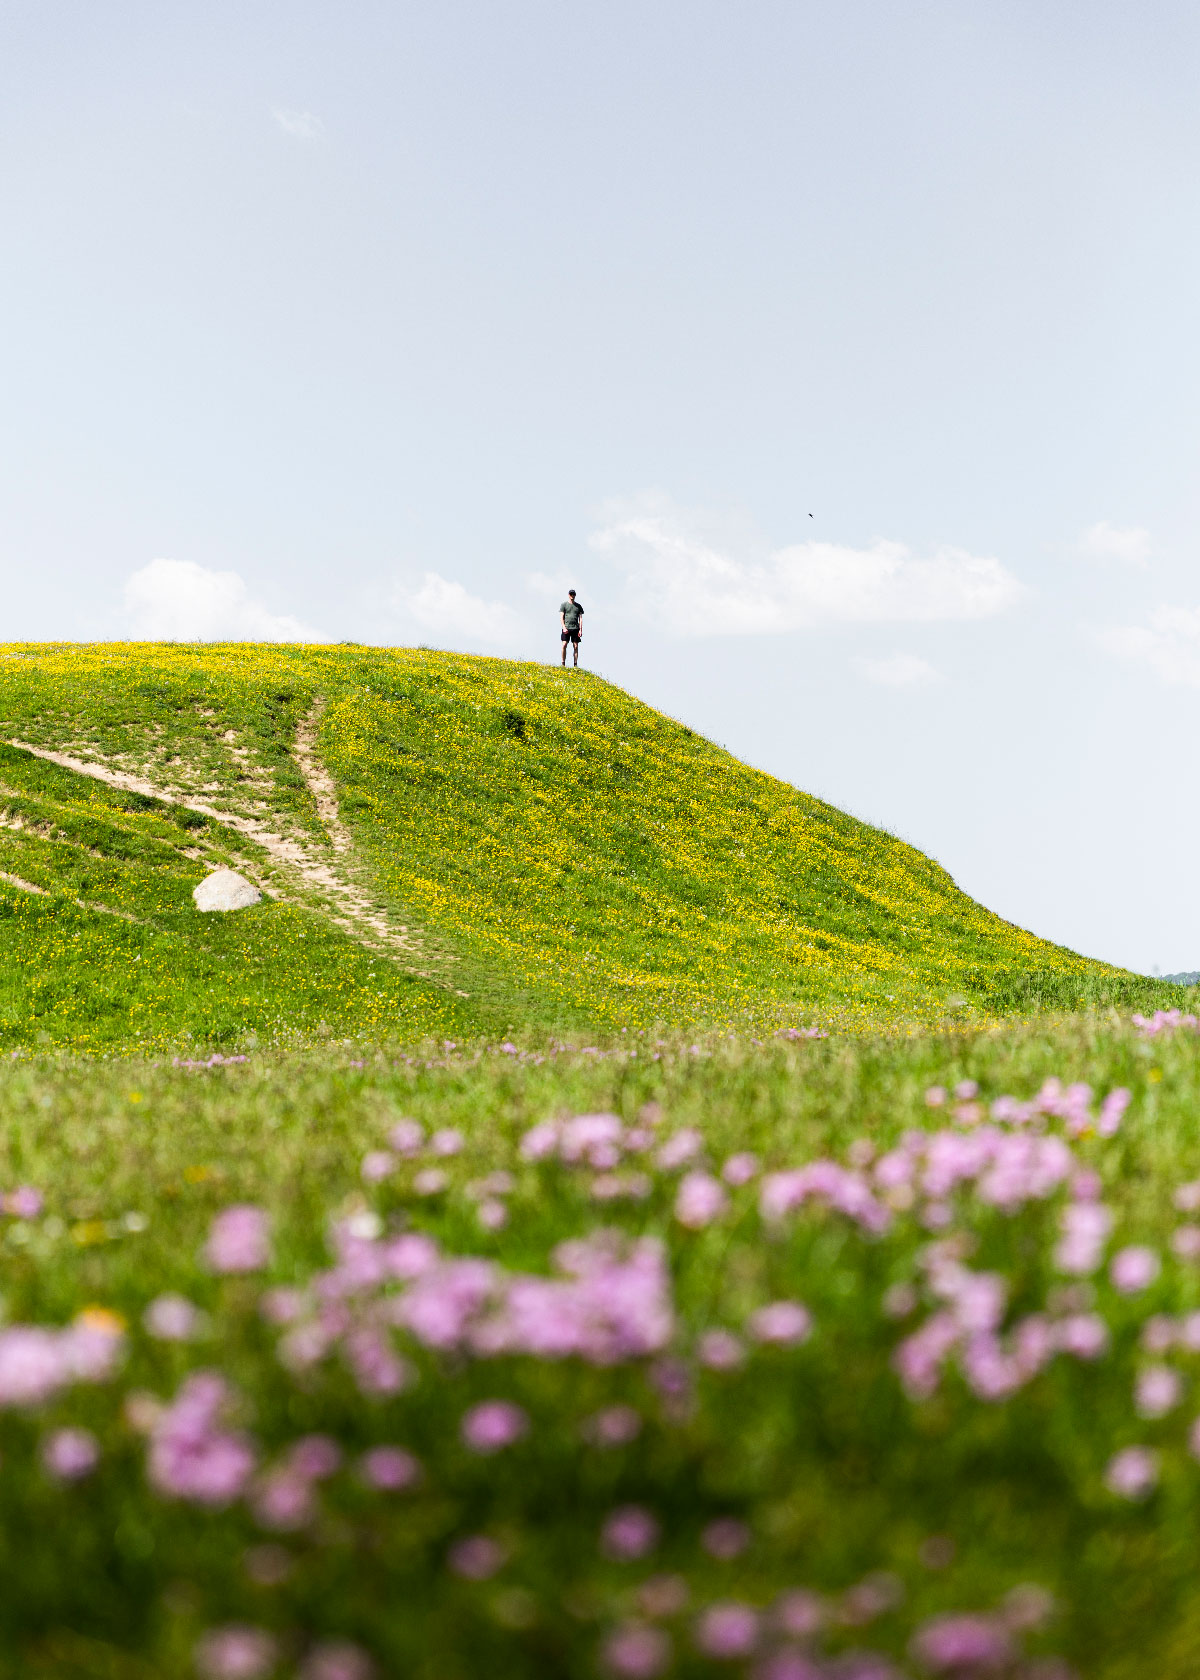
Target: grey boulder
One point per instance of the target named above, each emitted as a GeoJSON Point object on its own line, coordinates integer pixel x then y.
{"type": "Point", "coordinates": [225, 889]}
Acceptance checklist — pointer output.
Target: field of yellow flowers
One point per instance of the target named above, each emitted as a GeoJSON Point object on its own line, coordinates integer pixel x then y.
{"type": "Point", "coordinates": [559, 855]}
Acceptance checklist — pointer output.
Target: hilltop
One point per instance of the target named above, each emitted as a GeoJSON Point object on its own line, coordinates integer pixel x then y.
{"type": "Point", "coordinates": [448, 845]}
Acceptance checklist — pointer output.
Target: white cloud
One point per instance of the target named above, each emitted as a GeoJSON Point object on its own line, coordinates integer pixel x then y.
{"type": "Point", "coordinates": [694, 585]}
{"type": "Point", "coordinates": [178, 601]}
{"type": "Point", "coordinates": [1103, 541]}
{"type": "Point", "coordinates": [301, 125]}
{"type": "Point", "coordinates": [446, 612]}
{"type": "Point", "coordinates": [898, 670]}
{"type": "Point", "coordinates": [1169, 644]}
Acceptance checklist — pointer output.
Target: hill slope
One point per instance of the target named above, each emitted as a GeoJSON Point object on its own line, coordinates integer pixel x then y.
{"type": "Point", "coordinates": [452, 844]}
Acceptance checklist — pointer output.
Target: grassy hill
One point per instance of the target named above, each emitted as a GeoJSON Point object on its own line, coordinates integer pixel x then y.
{"type": "Point", "coordinates": [448, 845]}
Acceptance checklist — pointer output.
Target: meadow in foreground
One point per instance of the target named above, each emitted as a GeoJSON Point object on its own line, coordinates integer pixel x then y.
{"type": "Point", "coordinates": [810, 1360]}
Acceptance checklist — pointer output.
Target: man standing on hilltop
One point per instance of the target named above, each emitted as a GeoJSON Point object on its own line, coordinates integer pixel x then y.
{"type": "Point", "coordinates": [571, 614]}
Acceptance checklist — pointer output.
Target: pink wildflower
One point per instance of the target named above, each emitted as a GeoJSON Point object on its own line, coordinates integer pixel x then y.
{"type": "Point", "coordinates": [282, 1501]}
{"type": "Point", "coordinates": [430, 1181]}
{"type": "Point", "coordinates": [935, 1096]}
{"type": "Point", "coordinates": [541, 1140]}
{"type": "Point", "coordinates": [1132, 1473]}
{"type": "Point", "coordinates": [799, 1613]}
{"type": "Point", "coordinates": [492, 1214]}
{"type": "Point", "coordinates": [337, 1659]}
{"type": "Point", "coordinates": [727, 1631]}
{"type": "Point", "coordinates": [1085, 1335]}
{"type": "Point", "coordinates": [1185, 1242]}
{"type": "Point", "coordinates": [410, 1255]}
{"type": "Point", "coordinates": [172, 1318]}
{"type": "Point", "coordinates": [679, 1149]}
{"type": "Point", "coordinates": [615, 1426]}
{"type": "Point", "coordinates": [314, 1457]}
{"type": "Point", "coordinates": [476, 1557]}
{"type": "Point", "coordinates": [718, 1350]}
{"type": "Point", "coordinates": [377, 1164]}
{"type": "Point", "coordinates": [237, 1240]}
{"type": "Point", "coordinates": [1134, 1269]}
{"type": "Point", "coordinates": [629, 1532]}
{"type": "Point", "coordinates": [23, 1203]}
{"type": "Point", "coordinates": [700, 1199]}
{"type": "Point", "coordinates": [740, 1169]}
{"type": "Point", "coordinates": [378, 1371]}
{"type": "Point", "coordinates": [1085, 1230]}
{"type": "Point", "coordinates": [282, 1306]}
{"type": "Point", "coordinates": [70, 1454]}
{"type": "Point", "coordinates": [406, 1137]}
{"type": "Point", "coordinates": [725, 1538]}
{"type": "Point", "coordinates": [389, 1469]}
{"type": "Point", "coordinates": [448, 1141]}
{"type": "Point", "coordinates": [1158, 1391]}
{"type": "Point", "coordinates": [235, 1653]}
{"type": "Point", "coordinates": [963, 1644]}
{"type": "Point", "coordinates": [1112, 1110]}
{"type": "Point", "coordinates": [493, 1425]}
{"type": "Point", "coordinates": [636, 1652]}
{"type": "Point", "coordinates": [190, 1456]}
{"type": "Point", "coordinates": [781, 1322]}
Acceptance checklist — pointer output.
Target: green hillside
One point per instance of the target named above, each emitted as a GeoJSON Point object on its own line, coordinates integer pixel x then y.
{"type": "Point", "coordinates": [448, 845]}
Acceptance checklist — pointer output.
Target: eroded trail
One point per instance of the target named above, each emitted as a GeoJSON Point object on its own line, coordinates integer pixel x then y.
{"type": "Point", "coordinates": [331, 884]}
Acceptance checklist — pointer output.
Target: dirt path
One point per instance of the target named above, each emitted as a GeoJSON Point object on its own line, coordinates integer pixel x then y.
{"type": "Point", "coordinates": [320, 783]}
{"type": "Point", "coordinates": [346, 902]}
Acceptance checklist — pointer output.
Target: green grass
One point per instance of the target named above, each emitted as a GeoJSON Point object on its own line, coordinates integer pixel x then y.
{"type": "Point", "coordinates": [836, 1472]}
{"type": "Point", "coordinates": [571, 860]}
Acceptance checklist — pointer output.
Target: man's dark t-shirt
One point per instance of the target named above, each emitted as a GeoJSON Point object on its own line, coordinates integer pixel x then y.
{"type": "Point", "coordinates": [572, 612]}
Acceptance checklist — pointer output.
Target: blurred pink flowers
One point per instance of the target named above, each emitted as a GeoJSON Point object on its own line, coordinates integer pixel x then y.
{"type": "Point", "coordinates": [191, 1456]}
{"type": "Point", "coordinates": [477, 1557]}
{"type": "Point", "coordinates": [237, 1241]}
{"type": "Point", "coordinates": [727, 1631]}
{"type": "Point", "coordinates": [389, 1469]}
{"type": "Point", "coordinates": [70, 1454]}
{"type": "Point", "coordinates": [963, 1645]}
{"type": "Point", "coordinates": [699, 1200]}
{"type": "Point", "coordinates": [235, 1653]}
{"type": "Point", "coordinates": [629, 1532]}
{"type": "Point", "coordinates": [636, 1652]}
{"type": "Point", "coordinates": [172, 1318]}
{"type": "Point", "coordinates": [782, 1322]}
{"type": "Point", "coordinates": [1134, 1269]}
{"type": "Point", "coordinates": [337, 1659]}
{"type": "Point", "coordinates": [1132, 1473]}
{"type": "Point", "coordinates": [493, 1425]}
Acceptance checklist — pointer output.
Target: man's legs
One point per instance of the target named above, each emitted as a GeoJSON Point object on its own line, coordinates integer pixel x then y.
{"type": "Point", "coordinates": [575, 645]}
{"type": "Point", "coordinates": [564, 643]}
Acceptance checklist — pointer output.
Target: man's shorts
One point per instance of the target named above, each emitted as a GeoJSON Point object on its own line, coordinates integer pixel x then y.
{"type": "Point", "coordinates": [571, 636]}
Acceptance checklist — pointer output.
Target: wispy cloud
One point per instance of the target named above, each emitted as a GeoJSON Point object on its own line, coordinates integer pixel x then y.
{"type": "Point", "coordinates": [301, 125]}
{"type": "Point", "coordinates": [1128, 544]}
{"type": "Point", "coordinates": [898, 670]}
{"type": "Point", "coordinates": [694, 584]}
{"type": "Point", "coordinates": [444, 611]}
{"type": "Point", "coordinates": [178, 601]}
{"type": "Point", "coordinates": [1169, 644]}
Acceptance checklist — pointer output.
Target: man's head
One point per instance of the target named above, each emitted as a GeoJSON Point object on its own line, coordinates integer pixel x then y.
{"type": "Point", "coordinates": [571, 594]}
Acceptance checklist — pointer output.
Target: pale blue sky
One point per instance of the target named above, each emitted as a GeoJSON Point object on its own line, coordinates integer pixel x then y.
{"type": "Point", "coordinates": [410, 316]}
